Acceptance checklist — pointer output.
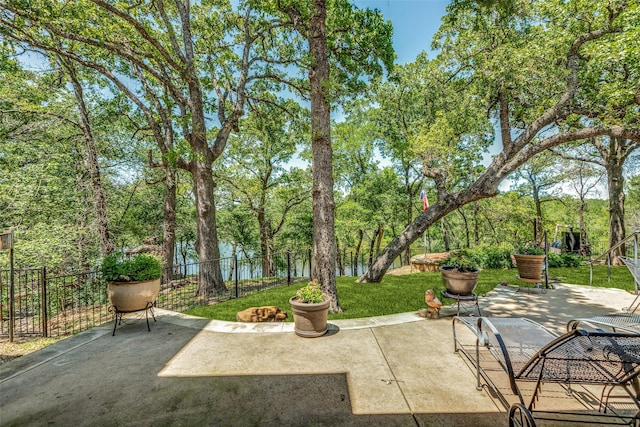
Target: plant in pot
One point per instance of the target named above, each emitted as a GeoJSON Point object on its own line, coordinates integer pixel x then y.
{"type": "Point", "coordinates": [530, 262]}
{"type": "Point", "coordinates": [132, 284]}
{"type": "Point", "coordinates": [460, 272]}
{"type": "Point", "coordinates": [310, 307]}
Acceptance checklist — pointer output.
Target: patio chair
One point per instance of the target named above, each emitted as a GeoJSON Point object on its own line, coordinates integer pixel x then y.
{"type": "Point", "coordinates": [529, 353]}
{"type": "Point", "coordinates": [626, 322]}
{"type": "Point", "coordinates": [634, 268]}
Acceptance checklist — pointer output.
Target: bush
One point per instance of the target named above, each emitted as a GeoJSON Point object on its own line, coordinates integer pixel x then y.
{"type": "Point", "coordinates": [494, 257]}
{"type": "Point", "coordinates": [564, 260]}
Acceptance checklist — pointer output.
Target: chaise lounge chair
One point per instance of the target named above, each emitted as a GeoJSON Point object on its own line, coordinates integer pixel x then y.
{"type": "Point", "coordinates": [532, 356]}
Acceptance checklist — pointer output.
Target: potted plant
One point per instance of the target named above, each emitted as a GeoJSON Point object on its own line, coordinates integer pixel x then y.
{"type": "Point", "coordinates": [460, 272]}
{"type": "Point", "coordinates": [530, 261]}
{"type": "Point", "coordinates": [310, 307]}
{"type": "Point", "coordinates": [132, 284]}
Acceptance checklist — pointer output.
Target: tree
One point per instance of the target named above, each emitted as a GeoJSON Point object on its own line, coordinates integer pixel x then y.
{"type": "Point", "coordinates": [633, 199]}
{"type": "Point", "coordinates": [541, 177]}
{"type": "Point", "coordinates": [614, 152]}
{"type": "Point", "coordinates": [499, 52]}
{"type": "Point", "coordinates": [353, 55]}
{"type": "Point", "coordinates": [404, 102]}
{"type": "Point", "coordinates": [41, 159]}
{"type": "Point", "coordinates": [54, 142]}
{"type": "Point", "coordinates": [154, 45]}
{"type": "Point", "coordinates": [584, 179]}
{"type": "Point", "coordinates": [254, 170]}
{"type": "Point", "coordinates": [93, 167]}
{"type": "Point", "coordinates": [611, 154]}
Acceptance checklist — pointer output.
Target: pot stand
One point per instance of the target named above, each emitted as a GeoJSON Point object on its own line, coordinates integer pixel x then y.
{"type": "Point", "coordinates": [464, 298]}
{"type": "Point", "coordinates": [536, 282]}
{"type": "Point", "coordinates": [119, 313]}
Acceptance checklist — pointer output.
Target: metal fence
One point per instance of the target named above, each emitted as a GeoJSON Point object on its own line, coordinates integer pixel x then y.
{"type": "Point", "coordinates": [57, 305]}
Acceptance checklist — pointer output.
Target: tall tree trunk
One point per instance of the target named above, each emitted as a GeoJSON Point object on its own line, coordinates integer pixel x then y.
{"type": "Point", "coordinates": [324, 251]}
{"type": "Point", "coordinates": [584, 245]}
{"type": "Point", "coordinates": [106, 239]}
{"type": "Point", "coordinates": [537, 223]}
{"type": "Point", "coordinates": [339, 258]}
{"type": "Point", "coordinates": [234, 252]}
{"type": "Point", "coordinates": [445, 236]}
{"type": "Point", "coordinates": [615, 180]}
{"type": "Point", "coordinates": [379, 238]}
{"type": "Point", "coordinates": [476, 223]}
{"type": "Point", "coordinates": [294, 263]}
{"type": "Point", "coordinates": [210, 280]}
{"type": "Point", "coordinates": [372, 245]}
{"type": "Point", "coordinates": [266, 244]}
{"type": "Point", "coordinates": [467, 233]}
{"type": "Point", "coordinates": [357, 252]}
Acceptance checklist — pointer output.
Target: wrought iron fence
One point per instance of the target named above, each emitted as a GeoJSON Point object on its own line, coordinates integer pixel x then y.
{"type": "Point", "coordinates": [64, 304]}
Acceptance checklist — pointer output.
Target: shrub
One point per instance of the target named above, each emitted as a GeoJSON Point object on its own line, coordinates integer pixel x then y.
{"type": "Point", "coordinates": [141, 267]}
{"type": "Point", "coordinates": [494, 257]}
{"type": "Point", "coordinates": [564, 260]}
{"type": "Point", "coordinates": [571, 260]}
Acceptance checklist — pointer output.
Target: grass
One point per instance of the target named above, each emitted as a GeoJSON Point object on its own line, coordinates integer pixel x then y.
{"type": "Point", "coordinates": [399, 294]}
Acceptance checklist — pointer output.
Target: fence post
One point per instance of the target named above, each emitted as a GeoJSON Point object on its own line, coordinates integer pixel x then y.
{"type": "Point", "coordinates": [44, 305]}
{"type": "Point", "coordinates": [288, 268]}
{"type": "Point", "coordinates": [235, 266]}
{"type": "Point", "coordinates": [12, 295]}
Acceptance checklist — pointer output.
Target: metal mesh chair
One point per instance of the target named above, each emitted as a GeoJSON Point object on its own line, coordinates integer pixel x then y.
{"type": "Point", "coordinates": [627, 322]}
{"type": "Point", "coordinates": [528, 352]}
{"type": "Point", "coordinates": [634, 268]}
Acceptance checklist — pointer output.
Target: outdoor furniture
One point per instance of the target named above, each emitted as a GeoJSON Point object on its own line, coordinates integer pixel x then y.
{"type": "Point", "coordinates": [634, 268]}
{"type": "Point", "coordinates": [626, 322]}
{"type": "Point", "coordinates": [473, 298]}
{"type": "Point", "coordinates": [580, 362]}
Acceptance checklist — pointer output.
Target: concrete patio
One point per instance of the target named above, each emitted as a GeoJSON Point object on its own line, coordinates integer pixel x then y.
{"type": "Point", "coordinates": [390, 370]}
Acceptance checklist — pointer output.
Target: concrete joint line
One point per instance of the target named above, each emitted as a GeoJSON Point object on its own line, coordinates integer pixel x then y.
{"type": "Point", "coordinates": [394, 379]}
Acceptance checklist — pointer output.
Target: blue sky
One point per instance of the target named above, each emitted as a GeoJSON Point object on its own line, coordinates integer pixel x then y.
{"type": "Point", "coordinates": [414, 23]}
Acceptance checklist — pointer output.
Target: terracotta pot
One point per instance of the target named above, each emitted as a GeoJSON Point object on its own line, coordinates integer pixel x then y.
{"type": "Point", "coordinates": [529, 266]}
{"type": "Point", "coordinates": [310, 319]}
{"type": "Point", "coordinates": [459, 283]}
{"type": "Point", "coordinates": [132, 296]}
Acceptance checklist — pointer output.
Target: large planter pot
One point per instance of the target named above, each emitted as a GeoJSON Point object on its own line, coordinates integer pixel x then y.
{"type": "Point", "coordinates": [133, 296]}
{"type": "Point", "coordinates": [459, 283]}
{"type": "Point", "coordinates": [529, 266]}
{"type": "Point", "coordinates": [310, 319]}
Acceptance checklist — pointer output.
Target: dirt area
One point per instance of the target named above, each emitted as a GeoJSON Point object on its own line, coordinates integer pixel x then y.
{"type": "Point", "coordinates": [22, 346]}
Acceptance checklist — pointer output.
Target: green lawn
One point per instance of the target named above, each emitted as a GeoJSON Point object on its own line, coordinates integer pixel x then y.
{"type": "Point", "coordinates": [399, 294]}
